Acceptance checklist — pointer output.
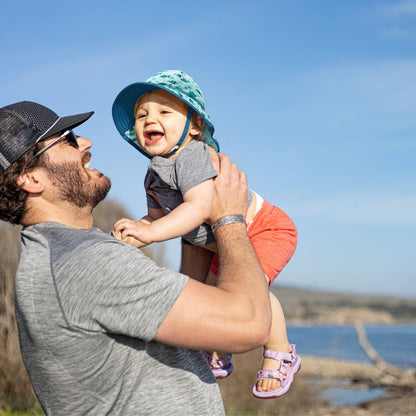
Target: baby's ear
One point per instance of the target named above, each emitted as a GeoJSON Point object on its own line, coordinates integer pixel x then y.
{"type": "Point", "coordinates": [200, 123]}
{"type": "Point", "coordinates": [197, 125]}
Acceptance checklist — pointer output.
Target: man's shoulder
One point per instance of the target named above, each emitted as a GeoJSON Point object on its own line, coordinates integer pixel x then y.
{"type": "Point", "coordinates": [69, 251]}
{"type": "Point", "coordinates": [56, 233]}
{"type": "Point", "coordinates": [59, 239]}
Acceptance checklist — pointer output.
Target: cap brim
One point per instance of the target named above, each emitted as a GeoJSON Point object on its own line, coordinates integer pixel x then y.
{"type": "Point", "coordinates": [64, 123]}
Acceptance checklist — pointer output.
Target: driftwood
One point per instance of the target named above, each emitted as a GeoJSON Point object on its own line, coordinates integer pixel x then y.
{"type": "Point", "coordinates": [389, 374]}
{"type": "Point", "coordinates": [368, 348]}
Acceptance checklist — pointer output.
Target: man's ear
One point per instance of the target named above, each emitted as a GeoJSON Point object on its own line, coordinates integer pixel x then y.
{"type": "Point", "coordinates": [30, 182]}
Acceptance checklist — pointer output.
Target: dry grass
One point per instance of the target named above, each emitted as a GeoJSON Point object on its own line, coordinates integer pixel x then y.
{"type": "Point", "coordinates": [15, 389]}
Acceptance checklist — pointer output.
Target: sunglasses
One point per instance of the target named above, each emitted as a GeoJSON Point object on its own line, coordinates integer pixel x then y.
{"type": "Point", "coordinates": [69, 136]}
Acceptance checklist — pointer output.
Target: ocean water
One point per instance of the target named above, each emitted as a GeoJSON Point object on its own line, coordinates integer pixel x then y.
{"type": "Point", "coordinates": [395, 344]}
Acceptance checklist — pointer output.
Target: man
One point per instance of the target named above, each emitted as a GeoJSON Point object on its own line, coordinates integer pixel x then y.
{"type": "Point", "coordinates": [103, 329]}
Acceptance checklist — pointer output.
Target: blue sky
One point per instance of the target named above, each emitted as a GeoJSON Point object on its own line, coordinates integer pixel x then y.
{"type": "Point", "coordinates": [315, 100]}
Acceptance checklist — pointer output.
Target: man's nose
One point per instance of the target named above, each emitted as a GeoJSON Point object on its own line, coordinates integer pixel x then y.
{"type": "Point", "coordinates": [83, 143]}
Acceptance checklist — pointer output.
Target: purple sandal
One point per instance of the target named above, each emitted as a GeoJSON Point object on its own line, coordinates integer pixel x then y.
{"type": "Point", "coordinates": [220, 368]}
{"type": "Point", "coordinates": [289, 366]}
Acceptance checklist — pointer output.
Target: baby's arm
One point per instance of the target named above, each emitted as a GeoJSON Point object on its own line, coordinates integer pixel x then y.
{"type": "Point", "coordinates": [195, 210]}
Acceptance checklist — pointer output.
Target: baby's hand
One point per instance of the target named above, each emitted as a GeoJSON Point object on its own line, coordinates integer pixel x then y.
{"type": "Point", "coordinates": [135, 233]}
{"type": "Point", "coordinates": [130, 240]}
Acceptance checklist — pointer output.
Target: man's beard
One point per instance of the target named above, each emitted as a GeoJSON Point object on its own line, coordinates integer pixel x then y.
{"type": "Point", "coordinates": [76, 186]}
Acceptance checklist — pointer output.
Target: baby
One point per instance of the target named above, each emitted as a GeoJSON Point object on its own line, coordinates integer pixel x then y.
{"type": "Point", "coordinates": [165, 119]}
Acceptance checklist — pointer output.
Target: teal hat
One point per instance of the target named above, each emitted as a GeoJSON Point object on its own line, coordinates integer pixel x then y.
{"type": "Point", "coordinates": [175, 82]}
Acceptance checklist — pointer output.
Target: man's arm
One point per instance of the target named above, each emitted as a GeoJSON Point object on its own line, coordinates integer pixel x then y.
{"type": "Point", "coordinates": [235, 316]}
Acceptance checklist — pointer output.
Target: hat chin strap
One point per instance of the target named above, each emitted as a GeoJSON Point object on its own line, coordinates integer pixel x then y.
{"type": "Point", "coordinates": [180, 141]}
{"type": "Point", "coordinates": [184, 134]}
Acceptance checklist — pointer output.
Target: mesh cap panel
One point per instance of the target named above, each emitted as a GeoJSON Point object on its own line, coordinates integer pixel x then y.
{"type": "Point", "coordinates": [16, 137]}
{"type": "Point", "coordinates": [38, 116]}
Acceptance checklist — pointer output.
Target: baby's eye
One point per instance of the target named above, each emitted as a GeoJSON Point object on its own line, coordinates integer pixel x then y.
{"type": "Point", "coordinates": [140, 115]}
{"type": "Point", "coordinates": [164, 111]}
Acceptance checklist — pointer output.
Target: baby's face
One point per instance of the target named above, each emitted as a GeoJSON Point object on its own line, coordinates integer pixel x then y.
{"type": "Point", "coordinates": [160, 120]}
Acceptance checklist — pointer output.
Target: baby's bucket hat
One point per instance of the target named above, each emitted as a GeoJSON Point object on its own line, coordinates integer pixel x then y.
{"type": "Point", "coordinates": [174, 82]}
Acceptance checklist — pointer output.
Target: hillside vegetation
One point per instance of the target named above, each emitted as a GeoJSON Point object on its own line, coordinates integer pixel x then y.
{"type": "Point", "coordinates": [309, 306]}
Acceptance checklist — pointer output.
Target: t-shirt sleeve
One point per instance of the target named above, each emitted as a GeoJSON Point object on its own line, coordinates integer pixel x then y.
{"type": "Point", "coordinates": [194, 167]}
{"type": "Point", "coordinates": [122, 291]}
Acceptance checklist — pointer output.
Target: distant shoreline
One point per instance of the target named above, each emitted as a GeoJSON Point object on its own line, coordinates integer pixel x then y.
{"type": "Point", "coordinates": [304, 307]}
{"type": "Point", "coordinates": [346, 293]}
{"type": "Point", "coordinates": [306, 323]}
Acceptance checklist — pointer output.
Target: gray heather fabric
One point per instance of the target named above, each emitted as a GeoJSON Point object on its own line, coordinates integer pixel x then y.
{"type": "Point", "coordinates": [171, 178]}
{"type": "Point", "coordinates": [87, 308]}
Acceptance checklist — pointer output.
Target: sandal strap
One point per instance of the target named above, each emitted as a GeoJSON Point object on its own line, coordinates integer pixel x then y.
{"type": "Point", "coordinates": [265, 374]}
{"type": "Point", "coordinates": [220, 363]}
{"type": "Point", "coordinates": [277, 355]}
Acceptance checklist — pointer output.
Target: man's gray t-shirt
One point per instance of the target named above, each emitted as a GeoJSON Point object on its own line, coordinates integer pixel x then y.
{"type": "Point", "coordinates": [88, 307]}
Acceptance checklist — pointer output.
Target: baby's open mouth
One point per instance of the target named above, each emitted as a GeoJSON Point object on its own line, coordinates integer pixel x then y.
{"type": "Point", "coordinates": [153, 136]}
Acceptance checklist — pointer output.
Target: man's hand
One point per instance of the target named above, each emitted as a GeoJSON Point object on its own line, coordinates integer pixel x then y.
{"type": "Point", "coordinates": [230, 196]}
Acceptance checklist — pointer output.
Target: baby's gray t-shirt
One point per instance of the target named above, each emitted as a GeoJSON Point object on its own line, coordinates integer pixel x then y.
{"type": "Point", "coordinates": [171, 178]}
{"type": "Point", "coordinates": [87, 308]}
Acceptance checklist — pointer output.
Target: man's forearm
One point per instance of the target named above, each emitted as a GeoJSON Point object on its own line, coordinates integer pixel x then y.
{"type": "Point", "coordinates": [241, 274]}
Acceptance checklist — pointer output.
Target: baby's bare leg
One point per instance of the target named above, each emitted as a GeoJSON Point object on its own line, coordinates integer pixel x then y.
{"type": "Point", "coordinates": [278, 342]}
{"type": "Point", "coordinates": [195, 262]}
{"type": "Point", "coordinates": [212, 280]}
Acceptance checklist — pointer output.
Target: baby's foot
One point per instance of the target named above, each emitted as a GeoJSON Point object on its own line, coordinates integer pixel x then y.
{"type": "Point", "coordinates": [276, 375]}
{"type": "Point", "coordinates": [269, 384]}
{"type": "Point", "coordinates": [221, 365]}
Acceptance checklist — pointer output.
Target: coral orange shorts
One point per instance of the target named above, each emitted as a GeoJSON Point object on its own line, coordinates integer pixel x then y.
{"type": "Point", "coordinates": [274, 238]}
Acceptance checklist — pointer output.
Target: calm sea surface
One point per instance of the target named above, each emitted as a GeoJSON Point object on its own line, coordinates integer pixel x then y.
{"type": "Point", "coordinates": [395, 344]}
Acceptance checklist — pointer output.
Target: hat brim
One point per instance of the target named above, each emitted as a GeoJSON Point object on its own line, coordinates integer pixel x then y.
{"type": "Point", "coordinates": [64, 123]}
{"type": "Point", "coordinates": [123, 106]}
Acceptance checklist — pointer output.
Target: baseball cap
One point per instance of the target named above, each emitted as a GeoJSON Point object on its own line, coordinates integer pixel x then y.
{"type": "Point", "coordinates": [173, 81]}
{"type": "Point", "coordinates": [25, 123]}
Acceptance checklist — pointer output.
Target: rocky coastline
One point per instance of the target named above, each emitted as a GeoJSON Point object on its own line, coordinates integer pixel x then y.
{"type": "Point", "coordinates": [399, 385]}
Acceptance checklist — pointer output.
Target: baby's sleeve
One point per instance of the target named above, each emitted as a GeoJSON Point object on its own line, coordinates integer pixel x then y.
{"type": "Point", "coordinates": [194, 166]}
